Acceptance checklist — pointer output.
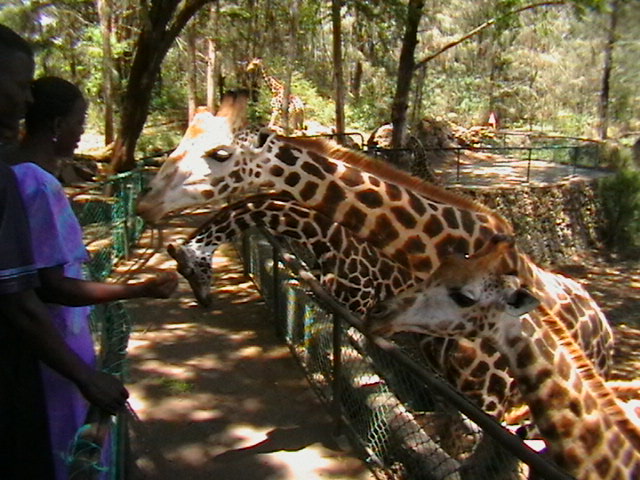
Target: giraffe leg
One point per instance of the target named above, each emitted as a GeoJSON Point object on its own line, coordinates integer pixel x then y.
{"type": "Point", "coordinates": [274, 117]}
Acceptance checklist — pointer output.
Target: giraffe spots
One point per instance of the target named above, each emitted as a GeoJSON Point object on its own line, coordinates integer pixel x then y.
{"type": "Point", "coordinates": [416, 204]}
{"type": "Point", "coordinates": [480, 370]}
{"type": "Point", "coordinates": [497, 385]}
{"type": "Point", "coordinates": [543, 350]}
{"type": "Point", "coordinates": [451, 245]}
{"type": "Point", "coordinates": [393, 192]}
{"type": "Point", "coordinates": [482, 218]}
{"type": "Point", "coordinates": [352, 178]}
{"type": "Point", "coordinates": [565, 424]}
{"type": "Point", "coordinates": [525, 357]}
{"type": "Point", "coordinates": [334, 195]}
{"type": "Point", "coordinates": [374, 181]}
{"type": "Point", "coordinates": [308, 191]}
{"type": "Point", "coordinates": [450, 218]}
{"type": "Point", "coordinates": [276, 170]}
{"type": "Point", "coordinates": [404, 217]}
{"type": "Point", "coordinates": [590, 434]}
{"type": "Point", "coordinates": [414, 244]}
{"type": "Point", "coordinates": [423, 264]}
{"type": "Point", "coordinates": [292, 179]}
{"type": "Point", "coordinates": [468, 222]}
{"type": "Point", "coordinates": [336, 240]}
{"type": "Point", "coordinates": [602, 466]}
{"type": "Point", "coordinates": [287, 156]}
{"type": "Point", "coordinates": [477, 244]}
{"type": "Point", "coordinates": [313, 170]}
{"type": "Point", "coordinates": [370, 198]}
{"type": "Point", "coordinates": [207, 194]}
{"type": "Point", "coordinates": [235, 176]}
{"type": "Point", "coordinates": [563, 367]}
{"type": "Point", "coordinates": [224, 188]}
{"type": "Point", "coordinates": [324, 163]}
{"type": "Point", "coordinates": [571, 458]}
{"type": "Point", "coordinates": [295, 234]}
{"type": "Point", "coordinates": [383, 232]}
{"type": "Point", "coordinates": [433, 226]}
{"type": "Point", "coordinates": [402, 258]}
{"type": "Point", "coordinates": [354, 218]}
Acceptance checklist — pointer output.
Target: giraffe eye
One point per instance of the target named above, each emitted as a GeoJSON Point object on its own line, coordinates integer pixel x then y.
{"type": "Point", "coordinates": [220, 154]}
{"type": "Point", "coordinates": [461, 299]}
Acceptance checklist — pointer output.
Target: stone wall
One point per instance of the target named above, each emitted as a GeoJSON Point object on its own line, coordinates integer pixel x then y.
{"type": "Point", "coordinates": [552, 222]}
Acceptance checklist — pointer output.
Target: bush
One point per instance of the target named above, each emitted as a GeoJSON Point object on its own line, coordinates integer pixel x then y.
{"type": "Point", "coordinates": [620, 195]}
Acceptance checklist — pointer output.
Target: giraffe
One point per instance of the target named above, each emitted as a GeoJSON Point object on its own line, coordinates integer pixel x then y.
{"type": "Point", "coordinates": [586, 430]}
{"type": "Point", "coordinates": [357, 275]}
{"type": "Point", "coordinates": [296, 106]}
{"type": "Point", "coordinates": [413, 223]}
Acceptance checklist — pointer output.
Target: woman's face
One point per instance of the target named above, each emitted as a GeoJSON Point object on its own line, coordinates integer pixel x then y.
{"type": "Point", "coordinates": [70, 129]}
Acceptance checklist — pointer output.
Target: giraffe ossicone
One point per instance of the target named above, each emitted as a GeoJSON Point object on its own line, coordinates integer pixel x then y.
{"type": "Point", "coordinates": [586, 430]}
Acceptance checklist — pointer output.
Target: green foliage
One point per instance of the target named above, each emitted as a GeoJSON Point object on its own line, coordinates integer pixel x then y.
{"type": "Point", "coordinates": [621, 202]}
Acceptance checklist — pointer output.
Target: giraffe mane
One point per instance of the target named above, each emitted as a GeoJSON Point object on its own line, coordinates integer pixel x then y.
{"type": "Point", "coordinates": [592, 379]}
{"type": "Point", "coordinates": [393, 174]}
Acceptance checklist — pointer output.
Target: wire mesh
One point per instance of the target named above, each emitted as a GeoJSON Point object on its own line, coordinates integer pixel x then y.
{"type": "Point", "coordinates": [106, 211]}
{"type": "Point", "coordinates": [404, 427]}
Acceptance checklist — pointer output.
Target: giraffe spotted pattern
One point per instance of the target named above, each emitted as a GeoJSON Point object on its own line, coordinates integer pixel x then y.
{"type": "Point", "coordinates": [586, 430]}
{"type": "Point", "coordinates": [412, 223]}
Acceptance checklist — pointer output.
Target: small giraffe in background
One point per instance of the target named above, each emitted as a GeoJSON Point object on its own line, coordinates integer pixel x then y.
{"type": "Point", "coordinates": [296, 106]}
{"type": "Point", "coordinates": [586, 430]}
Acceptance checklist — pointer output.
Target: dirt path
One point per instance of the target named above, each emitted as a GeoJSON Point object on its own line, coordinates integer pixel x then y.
{"type": "Point", "coordinates": [218, 394]}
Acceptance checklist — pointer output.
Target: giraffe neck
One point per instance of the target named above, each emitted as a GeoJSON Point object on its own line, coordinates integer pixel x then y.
{"type": "Point", "coordinates": [347, 264]}
{"type": "Point", "coordinates": [571, 304]}
{"type": "Point", "coordinates": [276, 86]}
{"type": "Point", "coordinates": [414, 223]}
{"type": "Point", "coordinates": [586, 430]}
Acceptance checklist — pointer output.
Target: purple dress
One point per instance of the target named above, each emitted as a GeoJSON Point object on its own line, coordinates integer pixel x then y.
{"type": "Point", "coordinates": [57, 240]}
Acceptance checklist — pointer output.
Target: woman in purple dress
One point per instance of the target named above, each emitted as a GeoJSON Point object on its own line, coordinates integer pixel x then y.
{"type": "Point", "coordinates": [54, 124]}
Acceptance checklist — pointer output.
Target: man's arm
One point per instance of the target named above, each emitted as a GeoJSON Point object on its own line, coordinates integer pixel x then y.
{"type": "Point", "coordinates": [30, 317]}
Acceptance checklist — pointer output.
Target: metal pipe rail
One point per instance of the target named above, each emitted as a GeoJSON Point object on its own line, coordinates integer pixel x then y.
{"type": "Point", "coordinates": [514, 444]}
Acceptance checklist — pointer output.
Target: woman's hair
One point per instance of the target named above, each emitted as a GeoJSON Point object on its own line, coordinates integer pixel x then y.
{"type": "Point", "coordinates": [53, 97]}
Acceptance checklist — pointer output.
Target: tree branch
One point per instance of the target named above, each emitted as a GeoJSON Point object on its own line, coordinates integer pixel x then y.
{"type": "Point", "coordinates": [422, 63]}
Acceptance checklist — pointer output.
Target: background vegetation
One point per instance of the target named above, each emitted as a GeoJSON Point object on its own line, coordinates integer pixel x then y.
{"type": "Point", "coordinates": [540, 69]}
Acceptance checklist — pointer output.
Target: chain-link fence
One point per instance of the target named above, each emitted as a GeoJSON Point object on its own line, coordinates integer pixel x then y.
{"type": "Point", "coordinates": [106, 211]}
{"type": "Point", "coordinates": [407, 422]}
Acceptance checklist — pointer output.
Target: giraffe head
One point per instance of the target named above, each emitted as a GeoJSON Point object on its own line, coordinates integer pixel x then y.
{"type": "Point", "coordinates": [185, 176]}
{"type": "Point", "coordinates": [466, 296]}
{"type": "Point", "coordinates": [254, 65]}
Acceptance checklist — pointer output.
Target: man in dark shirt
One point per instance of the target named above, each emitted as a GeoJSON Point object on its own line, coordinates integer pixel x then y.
{"type": "Point", "coordinates": [27, 334]}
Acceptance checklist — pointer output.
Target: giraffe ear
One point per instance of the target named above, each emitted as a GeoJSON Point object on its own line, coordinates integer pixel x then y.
{"type": "Point", "coordinates": [520, 302]}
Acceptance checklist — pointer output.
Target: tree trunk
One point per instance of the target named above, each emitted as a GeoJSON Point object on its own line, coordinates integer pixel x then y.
{"type": "Point", "coordinates": [603, 104]}
{"type": "Point", "coordinates": [212, 50]}
{"type": "Point", "coordinates": [405, 72]}
{"type": "Point", "coordinates": [104, 11]}
{"type": "Point", "coordinates": [155, 39]}
{"type": "Point", "coordinates": [337, 66]}
{"type": "Point", "coordinates": [192, 73]}
{"type": "Point", "coordinates": [291, 53]}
